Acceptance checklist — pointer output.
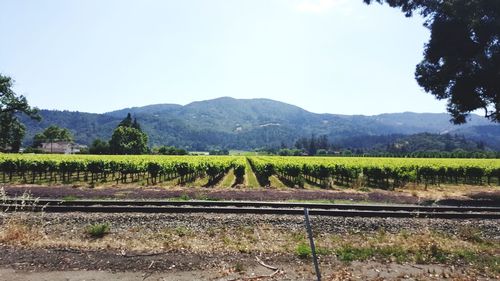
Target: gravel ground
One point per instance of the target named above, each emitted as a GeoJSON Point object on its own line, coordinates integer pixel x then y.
{"type": "Point", "coordinates": [185, 264]}
{"type": "Point", "coordinates": [490, 229]}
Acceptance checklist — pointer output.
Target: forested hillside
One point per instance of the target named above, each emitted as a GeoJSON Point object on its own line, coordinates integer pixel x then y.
{"type": "Point", "coordinates": [255, 123]}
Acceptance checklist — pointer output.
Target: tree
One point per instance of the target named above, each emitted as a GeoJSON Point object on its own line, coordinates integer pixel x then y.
{"type": "Point", "coordinates": [461, 61]}
{"type": "Point", "coordinates": [171, 150]}
{"type": "Point", "coordinates": [11, 129]}
{"type": "Point", "coordinates": [128, 140]}
{"type": "Point", "coordinates": [52, 134]}
{"type": "Point", "coordinates": [136, 125]}
{"type": "Point", "coordinates": [127, 122]}
{"type": "Point", "coordinates": [99, 146]}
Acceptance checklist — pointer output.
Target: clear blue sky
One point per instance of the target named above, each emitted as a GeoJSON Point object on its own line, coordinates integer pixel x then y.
{"type": "Point", "coordinates": [327, 56]}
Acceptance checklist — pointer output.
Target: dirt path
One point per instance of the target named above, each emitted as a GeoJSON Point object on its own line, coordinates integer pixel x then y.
{"type": "Point", "coordinates": [475, 196]}
{"type": "Point", "coordinates": [336, 272]}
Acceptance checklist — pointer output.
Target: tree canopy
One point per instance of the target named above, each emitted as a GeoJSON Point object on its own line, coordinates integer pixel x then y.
{"type": "Point", "coordinates": [461, 61]}
{"type": "Point", "coordinates": [11, 129]}
{"type": "Point", "coordinates": [52, 133]}
{"type": "Point", "coordinates": [99, 146]}
{"type": "Point", "coordinates": [128, 138]}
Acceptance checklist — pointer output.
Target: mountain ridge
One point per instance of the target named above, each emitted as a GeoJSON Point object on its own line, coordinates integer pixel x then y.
{"type": "Point", "coordinates": [251, 123]}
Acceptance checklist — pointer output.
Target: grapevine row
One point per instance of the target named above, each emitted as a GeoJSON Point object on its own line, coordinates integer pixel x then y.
{"type": "Point", "coordinates": [376, 172]}
{"type": "Point", "coordinates": [122, 169]}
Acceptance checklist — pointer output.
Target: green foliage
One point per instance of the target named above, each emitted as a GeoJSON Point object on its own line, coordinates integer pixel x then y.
{"type": "Point", "coordinates": [92, 168]}
{"type": "Point", "coordinates": [219, 152]}
{"type": "Point", "coordinates": [378, 172]}
{"type": "Point", "coordinates": [313, 144]}
{"type": "Point", "coordinates": [98, 230]}
{"type": "Point", "coordinates": [99, 146]}
{"type": "Point", "coordinates": [170, 150]}
{"type": "Point", "coordinates": [174, 125]}
{"type": "Point", "coordinates": [289, 152]}
{"type": "Point", "coordinates": [462, 58]}
{"type": "Point", "coordinates": [128, 140]}
{"type": "Point", "coordinates": [303, 250]}
{"type": "Point", "coordinates": [52, 133]}
{"type": "Point", "coordinates": [349, 254]}
{"type": "Point", "coordinates": [12, 130]}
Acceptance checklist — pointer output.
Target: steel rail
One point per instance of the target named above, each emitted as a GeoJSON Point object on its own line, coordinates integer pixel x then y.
{"type": "Point", "coordinates": [246, 210]}
{"type": "Point", "coordinates": [253, 204]}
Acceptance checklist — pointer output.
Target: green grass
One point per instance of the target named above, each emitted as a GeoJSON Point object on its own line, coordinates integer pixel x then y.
{"type": "Point", "coordinates": [431, 254]}
{"type": "Point", "coordinates": [202, 181]}
{"type": "Point", "coordinates": [98, 230]}
{"type": "Point", "coordinates": [70, 198]}
{"type": "Point", "coordinates": [183, 197]}
{"type": "Point", "coordinates": [250, 178]}
{"type": "Point", "coordinates": [229, 179]}
{"type": "Point", "coordinates": [182, 231]}
{"type": "Point", "coordinates": [303, 250]}
{"type": "Point", "coordinates": [275, 182]}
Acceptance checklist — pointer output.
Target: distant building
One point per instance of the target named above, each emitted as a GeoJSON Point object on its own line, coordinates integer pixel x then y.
{"type": "Point", "coordinates": [61, 147]}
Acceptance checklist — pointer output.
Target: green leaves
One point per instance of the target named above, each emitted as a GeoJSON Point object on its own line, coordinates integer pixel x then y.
{"type": "Point", "coordinates": [11, 130]}
{"type": "Point", "coordinates": [128, 140]}
{"type": "Point", "coordinates": [461, 61]}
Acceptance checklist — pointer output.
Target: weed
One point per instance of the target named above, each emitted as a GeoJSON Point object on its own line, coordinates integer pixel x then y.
{"type": "Point", "coordinates": [98, 230]}
{"type": "Point", "coordinates": [405, 234]}
{"type": "Point", "coordinates": [393, 253]}
{"type": "Point", "coordinates": [298, 237]}
{"type": "Point", "coordinates": [471, 234]}
{"type": "Point", "coordinates": [438, 254]}
{"type": "Point", "coordinates": [226, 240]}
{"type": "Point", "coordinates": [239, 267]}
{"type": "Point", "coordinates": [303, 251]}
{"type": "Point", "coordinates": [211, 232]}
{"type": "Point", "coordinates": [349, 253]}
{"type": "Point", "coordinates": [70, 198]}
{"type": "Point", "coordinates": [16, 232]}
{"type": "Point", "coordinates": [365, 189]}
{"type": "Point", "coordinates": [182, 231]}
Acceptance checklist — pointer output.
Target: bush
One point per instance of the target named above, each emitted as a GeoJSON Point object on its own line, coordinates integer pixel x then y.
{"type": "Point", "coordinates": [98, 230]}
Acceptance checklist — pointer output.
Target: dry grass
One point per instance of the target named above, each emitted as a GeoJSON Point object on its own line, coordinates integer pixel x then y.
{"type": "Point", "coordinates": [17, 232]}
{"type": "Point", "coordinates": [425, 246]}
{"type": "Point", "coordinates": [444, 191]}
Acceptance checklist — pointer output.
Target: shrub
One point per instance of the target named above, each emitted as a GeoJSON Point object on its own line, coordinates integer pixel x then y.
{"type": "Point", "coordinates": [98, 230]}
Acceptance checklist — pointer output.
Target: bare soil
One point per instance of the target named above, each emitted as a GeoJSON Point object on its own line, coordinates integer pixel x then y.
{"type": "Point", "coordinates": [59, 265]}
{"type": "Point", "coordinates": [451, 195]}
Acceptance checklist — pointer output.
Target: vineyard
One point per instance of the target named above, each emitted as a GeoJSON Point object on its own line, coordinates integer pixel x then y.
{"type": "Point", "coordinates": [324, 172]}
{"type": "Point", "coordinates": [376, 172]}
{"type": "Point", "coordinates": [119, 169]}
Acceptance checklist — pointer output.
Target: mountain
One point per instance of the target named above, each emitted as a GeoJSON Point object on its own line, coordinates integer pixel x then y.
{"type": "Point", "coordinates": [252, 123]}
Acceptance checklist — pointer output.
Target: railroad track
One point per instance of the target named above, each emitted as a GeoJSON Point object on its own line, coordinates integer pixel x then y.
{"type": "Point", "coordinates": [249, 207]}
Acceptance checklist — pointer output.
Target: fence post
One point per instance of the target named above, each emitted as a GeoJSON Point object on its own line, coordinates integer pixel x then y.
{"type": "Point", "coordinates": [311, 242]}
